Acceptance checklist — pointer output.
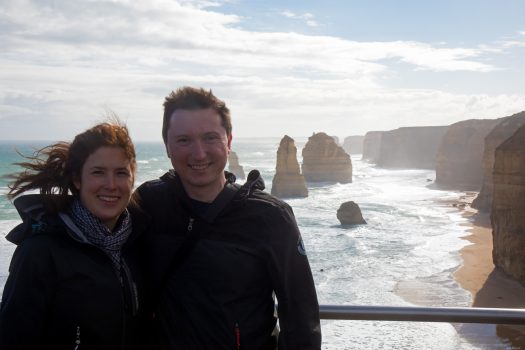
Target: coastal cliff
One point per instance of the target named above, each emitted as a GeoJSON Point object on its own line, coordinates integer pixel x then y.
{"type": "Point", "coordinates": [508, 206]}
{"type": "Point", "coordinates": [501, 132]}
{"type": "Point", "coordinates": [459, 158]}
{"type": "Point", "coordinates": [353, 144]}
{"type": "Point", "coordinates": [325, 161]}
{"type": "Point", "coordinates": [410, 147]}
{"type": "Point", "coordinates": [371, 146]}
{"type": "Point", "coordinates": [288, 181]}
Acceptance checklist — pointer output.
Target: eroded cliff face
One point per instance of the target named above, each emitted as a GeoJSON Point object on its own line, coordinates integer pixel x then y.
{"type": "Point", "coordinates": [353, 144]}
{"type": "Point", "coordinates": [459, 158]}
{"type": "Point", "coordinates": [501, 132]}
{"type": "Point", "coordinates": [325, 161]}
{"type": "Point", "coordinates": [508, 206]}
{"type": "Point", "coordinates": [288, 181]}
{"type": "Point", "coordinates": [372, 146]}
{"type": "Point", "coordinates": [234, 166]}
{"type": "Point", "coordinates": [411, 147]}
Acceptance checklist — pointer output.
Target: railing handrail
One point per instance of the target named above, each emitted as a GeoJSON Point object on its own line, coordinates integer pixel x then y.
{"type": "Point", "coordinates": [423, 314]}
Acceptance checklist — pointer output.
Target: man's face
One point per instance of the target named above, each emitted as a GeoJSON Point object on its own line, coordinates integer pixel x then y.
{"type": "Point", "coordinates": [198, 147]}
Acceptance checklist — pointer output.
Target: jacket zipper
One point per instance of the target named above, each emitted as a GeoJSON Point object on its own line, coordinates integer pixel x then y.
{"type": "Point", "coordinates": [237, 332]}
{"type": "Point", "coordinates": [190, 224]}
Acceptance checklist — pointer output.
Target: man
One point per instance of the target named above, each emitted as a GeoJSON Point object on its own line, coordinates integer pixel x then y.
{"type": "Point", "coordinates": [217, 251]}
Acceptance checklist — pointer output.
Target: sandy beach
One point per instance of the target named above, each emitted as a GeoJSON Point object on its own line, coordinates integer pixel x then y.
{"type": "Point", "coordinates": [489, 286]}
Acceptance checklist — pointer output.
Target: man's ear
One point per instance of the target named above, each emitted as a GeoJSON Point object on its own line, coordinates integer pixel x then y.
{"type": "Point", "coordinates": [230, 143]}
{"type": "Point", "coordinates": [167, 151]}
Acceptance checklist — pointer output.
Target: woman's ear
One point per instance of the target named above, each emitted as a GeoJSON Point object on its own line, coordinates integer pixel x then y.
{"type": "Point", "coordinates": [76, 182]}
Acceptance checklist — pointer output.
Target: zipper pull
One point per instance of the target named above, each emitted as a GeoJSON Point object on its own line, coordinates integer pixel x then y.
{"type": "Point", "coordinates": [77, 341]}
{"type": "Point", "coordinates": [190, 224]}
{"type": "Point", "coordinates": [237, 332]}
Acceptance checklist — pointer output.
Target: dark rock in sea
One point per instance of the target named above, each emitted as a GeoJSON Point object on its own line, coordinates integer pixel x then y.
{"type": "Point", "coordinates": [288, 181]}
{"type": "Point", "coordinates": [349, 213]}
{"type": "Point", "coordinates": [508, 206]}
{"type": "Point", "coordinates": [234, 166]}
{"type": "Point", "coordinates": [410, 147]}
{"type": "Point", "coordinates": [501, 132]}
{"type": "Point", "coordinates": [459, 158]}
{"type": "Point", "coordinates": [325, 161]}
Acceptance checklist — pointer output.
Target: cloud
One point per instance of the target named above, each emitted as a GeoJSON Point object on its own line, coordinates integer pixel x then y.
{"type": "Point", "coordinates": [307, 17]}
{"type": "Point", "coordinates": [63, 63]}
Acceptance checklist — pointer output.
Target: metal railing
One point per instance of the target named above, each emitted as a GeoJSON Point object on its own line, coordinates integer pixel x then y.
{"type": "Point", "coordinates": [423, 314]}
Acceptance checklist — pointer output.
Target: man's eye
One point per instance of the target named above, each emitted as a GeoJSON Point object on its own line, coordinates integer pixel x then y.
{"type": "Point", "coordinates": [182, 142]}
{"type": "Point", "coordinates": [211, 138]}
{"type": "Point", "coordinates": [97, 172]}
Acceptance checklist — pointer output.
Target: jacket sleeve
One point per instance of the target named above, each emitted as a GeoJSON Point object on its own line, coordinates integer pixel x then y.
{"type": "Point", "coordinates": [24, 307]}
{"type": "Point", "coordinates": [298, 308]}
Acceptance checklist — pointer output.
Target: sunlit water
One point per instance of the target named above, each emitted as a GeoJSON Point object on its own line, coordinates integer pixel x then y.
{"type": "Point", "coordinates": [412, 238]}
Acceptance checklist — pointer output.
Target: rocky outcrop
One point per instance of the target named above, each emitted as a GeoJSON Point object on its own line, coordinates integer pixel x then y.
{"type": "Point", "coordinates": [501, 132]}
{"type": "Point", "coordinates": [411, 147]}
{"type": "Point", "coordinates": [459, 158]}
{"type": "Point", "coordinates": [508, 206]}
{"type": "Point", "coordinates": [325, 161]}
{"type": "Point", "coordinates": [234, 166]}
{"type": "Point", "coordinates": [353, 144]}
{"type": "Point", "coordinates": [288, 181]}
{"type": "Point", "coordinates": [372, 146]}
{"type": "Point", "coordinates": [349, 213]}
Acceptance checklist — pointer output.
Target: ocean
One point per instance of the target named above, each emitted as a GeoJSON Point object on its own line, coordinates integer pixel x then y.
{"type": "Point", "coordinates": [411, 240]}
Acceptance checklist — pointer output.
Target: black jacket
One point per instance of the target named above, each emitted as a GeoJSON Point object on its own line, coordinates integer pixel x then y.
{"type": "Point", "coordinates": [62, 291]}
{"type": "Point", "coordinates": [220, 294]}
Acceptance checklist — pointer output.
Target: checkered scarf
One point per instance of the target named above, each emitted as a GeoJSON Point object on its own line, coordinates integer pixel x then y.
{"type": "Point", "coordinates": [98, 234]}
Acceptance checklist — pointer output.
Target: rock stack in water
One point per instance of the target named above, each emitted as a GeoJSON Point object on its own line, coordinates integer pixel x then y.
{"type": "Point", "coordinates": [508, 206]}
{"type": "Point", "coordinates": [234, 166]}
{"type": "Point", "coordinates": [501, 132]}
{"type": "Point", "coordinates": [459, 158]}
{"type": "Point", "coordinates": [288, 181]}
{"type": "Point", "coordinates": [325, 161]}
{"type": "Point", "coordinates": [349, 213]}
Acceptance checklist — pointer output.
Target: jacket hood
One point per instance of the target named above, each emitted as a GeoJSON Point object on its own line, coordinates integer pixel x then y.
{"type": "Point", "coordinates": [35, 218]}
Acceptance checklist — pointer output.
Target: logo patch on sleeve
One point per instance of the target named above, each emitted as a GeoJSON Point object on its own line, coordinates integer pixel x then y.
{"type": "Point", "coordinates": [300, 246]}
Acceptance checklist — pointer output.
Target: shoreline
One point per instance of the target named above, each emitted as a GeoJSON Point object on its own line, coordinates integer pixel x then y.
{"type": "Point", "coordinates": [488, 286]}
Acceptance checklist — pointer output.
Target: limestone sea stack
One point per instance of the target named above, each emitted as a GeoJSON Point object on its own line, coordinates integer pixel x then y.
{"type": "Point", "coordinates": [410, 147]}
{"type": "Point", "coordinates": [371, 146]}
{"type": "Point", "coordinates": [353, 144]}
{"type": "Point", "coordinates": [234, 166]}
{"type": "Point", "coordinates": [325, 161]}
{"type": "Point", "coordinates": [501, 132]}
{"type": "Point", "coordinates": [349, 213]}
{"type": "Point", "coordinates": [508, 206]}
{"type": "Point", "coordinates": [288, 181]}
{"type": "Point", "coordinates": [459, 158]}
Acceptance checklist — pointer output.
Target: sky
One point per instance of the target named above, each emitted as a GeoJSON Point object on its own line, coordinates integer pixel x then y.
{"type": "Point", "coordinates": [343, 67]}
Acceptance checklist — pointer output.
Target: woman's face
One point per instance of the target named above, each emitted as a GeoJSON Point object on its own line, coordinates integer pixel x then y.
{"type": "Point", "coordinates": [106, 183]}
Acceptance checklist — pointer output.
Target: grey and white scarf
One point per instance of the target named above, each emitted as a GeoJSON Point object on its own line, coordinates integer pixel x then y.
{"type": "Point", "coordinates": [99, 234]}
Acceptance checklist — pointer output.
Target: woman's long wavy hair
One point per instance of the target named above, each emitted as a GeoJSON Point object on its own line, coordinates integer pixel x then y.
{"type": "Point", "coordinates": [52, 169]}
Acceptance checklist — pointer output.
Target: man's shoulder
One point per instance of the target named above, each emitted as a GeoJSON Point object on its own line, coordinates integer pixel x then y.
{"type": "Point", "coordinates": [264, 200]}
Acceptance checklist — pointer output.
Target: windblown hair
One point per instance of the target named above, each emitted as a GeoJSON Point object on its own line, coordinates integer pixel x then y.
{"type": "Point", "coordinates": [192, 98]}
{"type": "Point", "coordinates": [53, 169]}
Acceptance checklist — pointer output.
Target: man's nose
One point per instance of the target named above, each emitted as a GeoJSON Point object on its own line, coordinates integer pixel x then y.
{"type": "Point", "coordinates": [199, 150]}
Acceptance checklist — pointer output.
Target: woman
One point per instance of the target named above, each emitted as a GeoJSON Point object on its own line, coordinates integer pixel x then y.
{"type": "Point", "coordinates": [73, 278]}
